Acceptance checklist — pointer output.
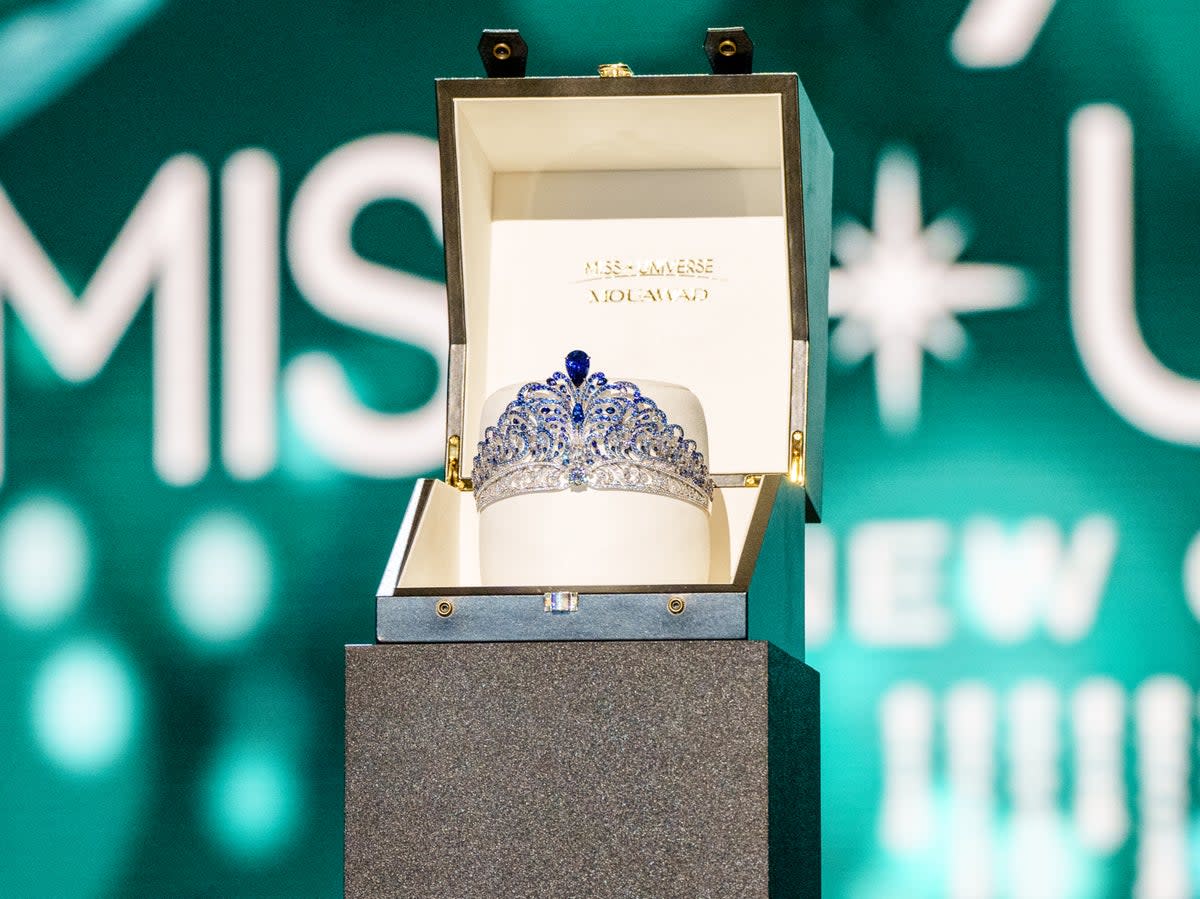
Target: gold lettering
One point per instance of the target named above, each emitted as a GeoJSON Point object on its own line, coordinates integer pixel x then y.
{"type": "Point", "coordinates": [648, 268]}
{"type": "Point", "coordinates": [680, 267]}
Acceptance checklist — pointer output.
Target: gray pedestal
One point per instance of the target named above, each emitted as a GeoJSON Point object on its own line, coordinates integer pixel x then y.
{"type": "Point", "coordinates": [624, 769]}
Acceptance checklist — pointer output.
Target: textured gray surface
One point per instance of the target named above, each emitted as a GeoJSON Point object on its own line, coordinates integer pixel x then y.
{"type": "Point", "coordinates": [568, 769]}
{"type": "Point", "coordinates": [601, 616]}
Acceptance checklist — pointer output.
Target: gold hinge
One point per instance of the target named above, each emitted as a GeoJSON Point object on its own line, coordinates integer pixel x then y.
{"type": "Point", "coordinates": [453, 464]}
{"type": "Point", "coordinates": [614, 70]}
{"type": "Point", "coordinates": [796, 465]}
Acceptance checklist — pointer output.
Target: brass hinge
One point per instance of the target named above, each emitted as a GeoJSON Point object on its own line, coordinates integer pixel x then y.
{"type": "Point", "coordinates": [614, 70]}
{"type": "Point", "coordinates": [796, 464]}
{"type": "Point", "coordinates": [454, 464]}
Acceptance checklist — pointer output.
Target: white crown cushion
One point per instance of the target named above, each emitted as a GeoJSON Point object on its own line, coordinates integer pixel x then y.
{"type": "Point", "coordinates": [614, 537]}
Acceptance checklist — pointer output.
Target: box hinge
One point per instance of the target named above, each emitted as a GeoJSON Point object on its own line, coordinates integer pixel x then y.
{"type": "Point", "coordinates": [614, 70]}
{"type": "Point", "coordinates": [454, 464]}
{"type": "Point", "coordinates": [796, 462]}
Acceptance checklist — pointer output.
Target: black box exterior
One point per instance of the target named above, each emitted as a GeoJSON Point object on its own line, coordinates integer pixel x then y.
{"type": "Point", "coordinates": [664, 769]}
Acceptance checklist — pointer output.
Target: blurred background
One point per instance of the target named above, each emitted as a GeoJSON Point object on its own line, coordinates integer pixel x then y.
{"type": "Point", "coordinates": [220, 257]}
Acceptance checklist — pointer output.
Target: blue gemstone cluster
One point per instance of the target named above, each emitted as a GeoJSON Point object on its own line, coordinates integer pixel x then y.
{"type": "Point", "coordinates": [577, 430]}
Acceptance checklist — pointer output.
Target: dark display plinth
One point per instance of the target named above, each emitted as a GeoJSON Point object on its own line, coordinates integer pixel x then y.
{"type": "Point", "coordinates": [657, 769]}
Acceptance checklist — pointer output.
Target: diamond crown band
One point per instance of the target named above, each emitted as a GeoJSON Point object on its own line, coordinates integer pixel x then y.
{"type": "Point", "coordinates": [576, 431]}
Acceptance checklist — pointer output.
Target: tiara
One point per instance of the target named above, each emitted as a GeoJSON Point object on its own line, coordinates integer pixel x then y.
{"type": "Point", "coordinates": [574, 431]}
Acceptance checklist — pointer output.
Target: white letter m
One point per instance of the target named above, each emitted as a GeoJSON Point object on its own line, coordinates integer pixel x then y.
{"type": "Point", "coordinates": [162, 248]}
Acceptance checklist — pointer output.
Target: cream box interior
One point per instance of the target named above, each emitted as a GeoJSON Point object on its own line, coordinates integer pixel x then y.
{"type": "Point", "coordinates": [659, 225]}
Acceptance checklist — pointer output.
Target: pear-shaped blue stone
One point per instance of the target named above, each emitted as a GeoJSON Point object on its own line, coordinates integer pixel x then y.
{"type": "Point", "coordinates": [577, 414]}
{"type": "Point", "coordinates": [578, 363]}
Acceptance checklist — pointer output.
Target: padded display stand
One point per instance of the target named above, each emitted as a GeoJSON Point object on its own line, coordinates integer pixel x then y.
{"type": "Point", "coordinates": [620, 769]}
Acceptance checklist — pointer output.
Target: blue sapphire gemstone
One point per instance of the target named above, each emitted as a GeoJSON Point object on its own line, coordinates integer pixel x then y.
{"type": "Point", "coordinates": [578, 363]}
{"type": "Point", "coordinates": [577, 414]}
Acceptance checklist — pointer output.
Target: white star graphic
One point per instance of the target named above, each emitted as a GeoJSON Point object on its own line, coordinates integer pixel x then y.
{"type": "Point", "coordinates": [900, 285]}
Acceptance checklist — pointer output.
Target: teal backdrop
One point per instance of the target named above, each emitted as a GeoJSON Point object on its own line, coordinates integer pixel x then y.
{"type": "Point", "coordinates": [221, 270]}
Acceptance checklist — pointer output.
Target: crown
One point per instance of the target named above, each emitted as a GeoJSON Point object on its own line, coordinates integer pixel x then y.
{"type": "Point", "coordinates": [576, 431]}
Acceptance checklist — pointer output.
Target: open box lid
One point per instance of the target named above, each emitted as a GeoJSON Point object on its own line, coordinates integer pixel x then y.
{"type": "Point", "coordinates": [676, 228]}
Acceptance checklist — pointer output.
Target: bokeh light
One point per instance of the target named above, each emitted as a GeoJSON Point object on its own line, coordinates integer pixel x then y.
{"type": "Point", "coordinates": [84, 707]}
{"type": "Point", "coordinates": [44, 561]}
{"type": "Point", "coordinates": [219, 578]}
{"type": "Point", "coordinates": [253, 800]}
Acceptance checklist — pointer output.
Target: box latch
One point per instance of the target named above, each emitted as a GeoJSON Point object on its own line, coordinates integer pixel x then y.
{"type": "Point", "coordinates": [560, 602]}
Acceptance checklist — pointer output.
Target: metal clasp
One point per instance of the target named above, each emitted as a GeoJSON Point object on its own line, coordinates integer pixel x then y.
{"type": "Point", "coordinates": [560, 601]}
